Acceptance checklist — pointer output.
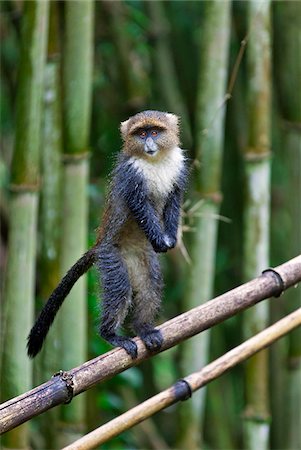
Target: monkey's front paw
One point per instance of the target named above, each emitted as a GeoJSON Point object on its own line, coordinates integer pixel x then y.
{"type": "Point", "coordinates": [160, 245]}
{"type": "Point", "coordinates": [171, 242]}
{"type": "Point", "coordinates": [163, 244]}
{"type": "Point", "coordinates": [153, 340]}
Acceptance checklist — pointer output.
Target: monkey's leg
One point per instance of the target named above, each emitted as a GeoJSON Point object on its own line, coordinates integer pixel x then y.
{"type": "Point", "coordinates": [147, 300]}
{"type": "Point", "coordinates": [117, 294]}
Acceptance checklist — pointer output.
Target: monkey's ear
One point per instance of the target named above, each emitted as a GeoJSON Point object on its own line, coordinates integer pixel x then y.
{"type": "Point", "coordinates": [173, 119]}
{"type": "Point", "coordinates": [124, 128]}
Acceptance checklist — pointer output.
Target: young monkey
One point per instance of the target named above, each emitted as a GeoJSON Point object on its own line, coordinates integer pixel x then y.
{"type": "Point", "coordinates": [140, 220]}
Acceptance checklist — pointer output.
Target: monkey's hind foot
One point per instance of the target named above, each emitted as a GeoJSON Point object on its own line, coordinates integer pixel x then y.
{"type": "Point", "coordinates": [121, 341]}
{"type": "Point", "coordinates": [152, 339]}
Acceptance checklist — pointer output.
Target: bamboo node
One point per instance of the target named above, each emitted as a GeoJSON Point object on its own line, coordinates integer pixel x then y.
{"type": "Point", "coordinates": [25, 187]}
{"type": "Point", "coordinates": [250, 415]}
{"type": "Point", "coordinates": [75, 157]}
{"type": "Point", "coordinates": [291, 125]}
{"type": "Point", "coordinates": [294, 362]}
{"type": "Point", "coordinates": [279, 280]}
{"type": "Point", "coordinates": [257, 156]}
{"type": "Point", "coordinates": [182, 390]}
{"type": "Point", "coordinates": [67, 378]}
{"type": "Point", "coordinates": [214, 197]}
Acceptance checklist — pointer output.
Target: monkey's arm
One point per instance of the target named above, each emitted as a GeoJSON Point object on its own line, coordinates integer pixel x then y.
{"type": "Point", "coordinates": [172, 208]}
{"type": "Point", "coordinates": [132, 188]}
{"type": "Point", "coordinates": [171, 214]}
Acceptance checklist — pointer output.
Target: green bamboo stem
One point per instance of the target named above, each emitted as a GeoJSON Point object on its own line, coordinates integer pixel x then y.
{"type": "Point", "coordinates": [20, 277]}
{"type": "Point", "coordinates": [19, 296]}
{"type": "Point", "coordinates": [288, 75]}
{"type": "Point", "coordinates": [73, 316]}
{"type": "Point", "coordinates": [3, 225]}
{"type": "Point", "coordinates": [77, 77]}
{"type": "Point", "coordinates": [133, 85]}
{"type": "Point", "coordinates": [50, 219]}
{"type": "Point", "coordinates": [293, 367]}
{"type": "Point", "coordinates": [50, 209]}
{"type": "Point", "coordinates": [256, 216]}
{"type": "Point", "coordinates": [77, 84]}
{"type": "Point", "coordinates": [168, 87]}
{"type": "Point", "coordinates": [209, 149]}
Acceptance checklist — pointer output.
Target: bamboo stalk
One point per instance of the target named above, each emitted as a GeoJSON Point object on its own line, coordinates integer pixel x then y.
{"type": "Point", "coordinates": [50, 219]}
{"type": "Point", "coordinates": [195, 381]}
{"type": "Point", "coordinates": [133, 83]}
{"type": "Point", "coordinates": [79, 379]}
{"type": "Point", "coordinates": [164, 65]}
{"type": "Point", "coordinates": [50, 209]}
{"type": "Point", "coordinates": [292, 412]}
{"type": "Point", "coordinates": [288, 74]}
{"type": "Point", "coordinates": [256, 216]}
{"type": "Point", "coordinates": [20, 279]}
{"type": "Point", "coordinates": [209, 152]}
{"type": "Point", "coordinates": [77, 85]}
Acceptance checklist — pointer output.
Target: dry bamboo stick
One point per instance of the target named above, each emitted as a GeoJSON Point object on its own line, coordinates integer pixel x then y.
{"type": "Point", "coordinates": [189, 384]}
{"type": "Point", "coordinates": [68, 384]}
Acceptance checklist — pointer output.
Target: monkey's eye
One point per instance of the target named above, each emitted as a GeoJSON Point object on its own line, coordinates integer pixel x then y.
{"type": "Point", "coordinates": [143, 134]}
{"type": "Point", "coordinates": [154, 133]}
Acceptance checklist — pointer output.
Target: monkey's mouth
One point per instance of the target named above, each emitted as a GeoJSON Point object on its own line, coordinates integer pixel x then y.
{"type": "Point", "coordinates": [151, 152]}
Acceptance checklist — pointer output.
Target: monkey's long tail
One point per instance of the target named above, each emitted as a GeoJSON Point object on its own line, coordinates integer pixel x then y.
{"type": "Point", "coordinates": [40, 329]}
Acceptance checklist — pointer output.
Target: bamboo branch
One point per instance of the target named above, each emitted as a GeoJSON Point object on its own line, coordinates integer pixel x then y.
{"type": "Point", "coordinates": [182, 389]}
{"type": "Point", "coordinates": [63, 386]}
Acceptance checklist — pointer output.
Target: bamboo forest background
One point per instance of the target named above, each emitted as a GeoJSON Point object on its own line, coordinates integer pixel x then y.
{"type": "Point", "coordinates": [70, 72]}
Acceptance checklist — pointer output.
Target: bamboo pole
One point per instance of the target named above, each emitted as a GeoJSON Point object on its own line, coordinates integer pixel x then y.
{"type": "Point", "coordinates": [288, 74]}
{"type": "Point", "coordinates": [166, 74]}
{"type": "Point", "coordinates": [20, 279]}
{"type": "Point", "coordinates": [50, 219]}
{"type": "Point", "coordinates": [51, 202]}
{"type": "Point", "coordinates": [67, 384]}
{"type": "Point", "coordinates": [77, 86]}
{"type": "Point", "coordinates": [183, 389]}
{"type": "Point", "coordinates": [133, 84]}
{"type": "Point", "coordinates": [256, 216]}
{"type": "Point", "coordinates": [209, 153]}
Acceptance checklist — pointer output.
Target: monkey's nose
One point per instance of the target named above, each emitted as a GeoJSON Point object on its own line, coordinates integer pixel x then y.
{"type": "Point", "coordinates": [150, 147]}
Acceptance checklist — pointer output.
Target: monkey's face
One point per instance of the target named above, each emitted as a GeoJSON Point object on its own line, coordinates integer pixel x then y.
{"type": "Point", "coordinates": [150, 134]}
{"type": "Point", "coordinates": [149, 140]}
{"type": "Point", "coordinates": [152, 142]}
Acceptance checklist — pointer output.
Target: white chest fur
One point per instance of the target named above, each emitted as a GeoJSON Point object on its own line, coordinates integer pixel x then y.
{"type": "Point", "coordinates": [160, 174]}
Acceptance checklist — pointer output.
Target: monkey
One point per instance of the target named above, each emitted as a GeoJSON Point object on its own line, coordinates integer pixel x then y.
{"type": "Point", "coordinates": [140, 220]}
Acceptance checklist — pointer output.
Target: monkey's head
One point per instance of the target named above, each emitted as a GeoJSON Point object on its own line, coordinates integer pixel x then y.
{"type": "Point", "coordinates": [150, 134]}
